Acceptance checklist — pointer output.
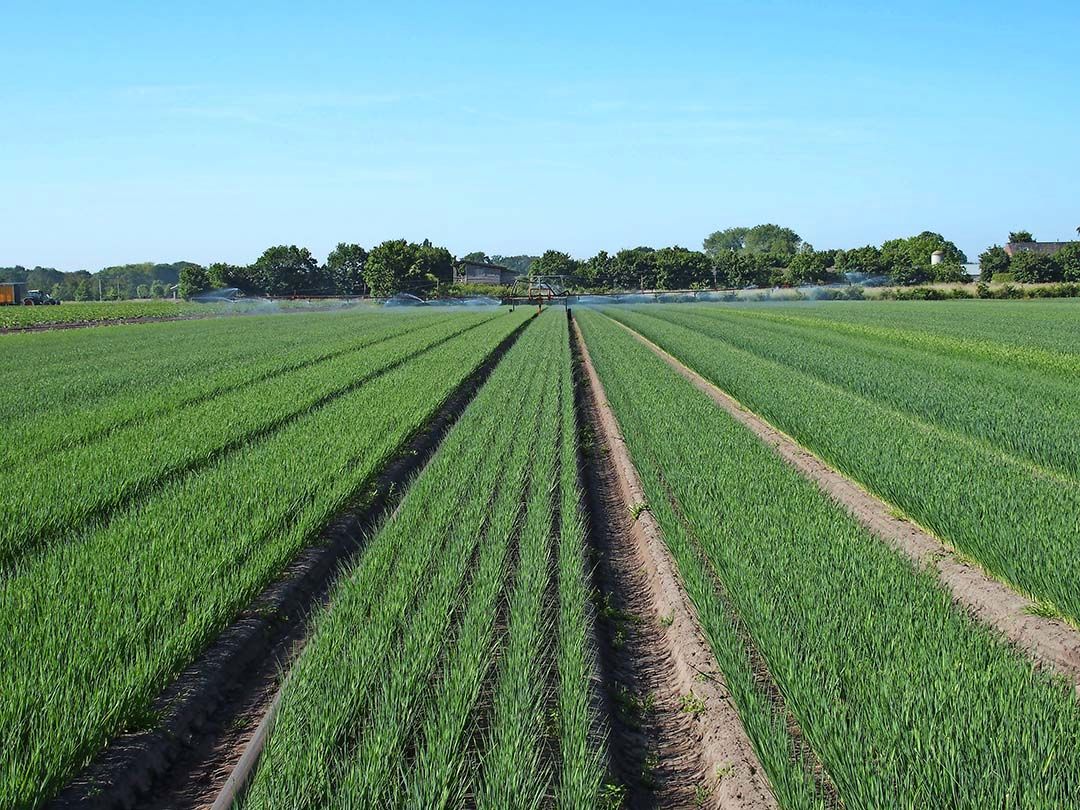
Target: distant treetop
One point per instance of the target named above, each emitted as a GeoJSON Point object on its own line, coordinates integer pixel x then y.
{"type": "Point", "coordinates": [768, 238]}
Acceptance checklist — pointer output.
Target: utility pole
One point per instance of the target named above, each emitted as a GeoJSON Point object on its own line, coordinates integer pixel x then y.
{"type": "Point", "coordinates": [99, 296]}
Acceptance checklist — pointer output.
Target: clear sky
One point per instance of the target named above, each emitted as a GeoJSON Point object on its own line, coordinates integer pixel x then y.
{"type": "Point", "coordinates": [164, 131]}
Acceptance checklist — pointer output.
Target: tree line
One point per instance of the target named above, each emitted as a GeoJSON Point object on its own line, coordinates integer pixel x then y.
{"type": "Point", "coordinates": [143, 280]}
{"type": "Point", "coordinates": [761, 256]}
{"type": "Point", "coordinates": [393, 266]}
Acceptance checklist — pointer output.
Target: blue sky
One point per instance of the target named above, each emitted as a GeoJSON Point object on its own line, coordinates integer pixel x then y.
{"type": "Point", "coordinates": [209, 131]}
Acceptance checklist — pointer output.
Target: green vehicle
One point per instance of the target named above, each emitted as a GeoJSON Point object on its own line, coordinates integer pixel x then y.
{"type": "Point", "coordinates": [37, 297]}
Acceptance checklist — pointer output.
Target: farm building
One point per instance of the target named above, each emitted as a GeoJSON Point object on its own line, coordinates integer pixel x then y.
{"type": "Point", "coordinates": [1035, 247]}
{"type": "Point", "coordinates": [468, 272]}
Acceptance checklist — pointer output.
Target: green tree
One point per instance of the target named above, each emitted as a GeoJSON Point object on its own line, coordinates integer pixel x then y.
{"type": "Point", "coordinates": [1021, 236]}
{"type": "Point", "coordinates": [554, 263]}
{"type": "Point", "coordinates": [477, 256]}
{"type": "Point", "coordinates": [1068, 259]}
{"type": "Point", "coordinates": [949, 272]}
{"type": "Point", "coordinates": [728, 240]}
{"type": "Point", "coordinates": [398, 265]}
{"type": "Point", "coordinates": [597, 271]}
{"type": "Point", "coordinates": [634, 268]}
{"type": "Point", "coordinates": [433, 262]}
{"type": "Point", "coordinates": [677, 268]}
{"type": "Point", "coordinates": [193, 280]}
{"type": "Point", "coordinates": [742, 270]}
{"type": "Point", "coordinates": [157, 289]}
{"type": "Point", "coordinates": [772, 239]}
{"type": "Point", "coordinates": [760, 239]}
{"type": "Point", "coordinates": [993, 260]}
{"type": "Point", "coordinates": [864, 260]}
{"type": "Point", "coordinates": [286, 269]}
{"type": "Point", "coordinates": [223, 275]}
{"type": "Point", "coordinates": [388, 267]}
{"type": "Point", "coordinates": [808, 266]}
{"type": "Point", "coordinates": [519, 264]}
{"type": "Point", "coordinates": [1029, 267]}
{"type": "Point", "coordinates": [345, 268]}
{"type": "Point", "coordinates": [908, 260]}
{"type": "Point", "coordinates": [142, 291]}
{"type": "Point", "coordinates": [82, 291]}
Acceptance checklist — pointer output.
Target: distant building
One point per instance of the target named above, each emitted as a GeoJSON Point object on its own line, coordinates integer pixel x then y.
{"type": "Point", "coordinates": [483, 273]}
{"type": "Point", "coordinates": [1034, 247]}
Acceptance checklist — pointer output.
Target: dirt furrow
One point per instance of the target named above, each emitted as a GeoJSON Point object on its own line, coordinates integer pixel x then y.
{"type": "Point", "coordinates": [1052, 643]}
{"type": "Point", "coordinates": [209, 715]}
{"type": "Point", "coordinates": [675, 737]}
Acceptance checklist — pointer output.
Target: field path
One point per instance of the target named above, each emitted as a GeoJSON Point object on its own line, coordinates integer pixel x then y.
{"type": "Point", "coordinates": [653, 653]}
{"type": "Point", "coordinates": [1053, 643]}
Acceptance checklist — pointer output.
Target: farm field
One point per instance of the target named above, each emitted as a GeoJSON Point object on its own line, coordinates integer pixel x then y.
{"type": "Point", "coordinates": [93, 313]}
{"type": "Point", "coordinates": [73, 312]}
{"type": "Point", "coordinates": [475, 634]}
{"type": "Point", "coordinates": [879, 670]}
{"type": "Point", "coordinates": [151, 581]}
{"type": "Point", "coordinates": [85, 387]}
{"type": "Point", "coordinates": [979, 442]}
{"type": "Point", "coordinates": [111, 471]}
{"type": "Point", "coordinates": [504, 623]}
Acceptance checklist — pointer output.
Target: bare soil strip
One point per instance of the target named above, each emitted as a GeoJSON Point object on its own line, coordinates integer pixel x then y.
{"type": "Point", "coordinates": [211, 712]}
{"type": "Point", "coordinates": [675, 737]}
{"type": "Point", "coordinates": [1052, 643]}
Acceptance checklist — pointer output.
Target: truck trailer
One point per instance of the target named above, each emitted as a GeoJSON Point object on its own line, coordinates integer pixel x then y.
{"type": "Point", "coordinates": [12, 293]}
{"type": "Point", "coordinates": [16, 292]}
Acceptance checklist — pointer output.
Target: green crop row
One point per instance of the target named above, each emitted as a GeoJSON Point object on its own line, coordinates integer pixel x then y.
{"type": "Point", "coordinates": [102, 312]}
{"type": "Point", "coordinates": [65, 388]}
{"type": "Point", "coordinates": [92, 629]}
{"type": "Point", "coordinates": [1027, 413]}
{"type": "Point", "coordinates": [1019, 521]}
{"type": "Point", "coordinates": [972, 335]}
{"type": "Point", "coordinates": [904, 700]}
{"type": "Point", "coordinates": [90, 480]}
{"type": "Point", "coordinates": [1044, 328]}
{"type": "Point", "coordinates": [453, 660]}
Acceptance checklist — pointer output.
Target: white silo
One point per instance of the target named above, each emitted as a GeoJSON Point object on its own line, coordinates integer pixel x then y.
{"type": "Point", "coordinates": [937, 257]}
